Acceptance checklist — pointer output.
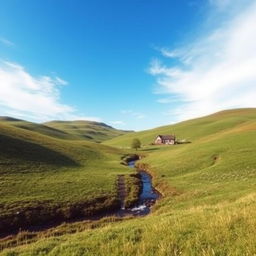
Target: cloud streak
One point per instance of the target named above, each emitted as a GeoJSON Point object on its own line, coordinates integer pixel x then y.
{"type": "Point", "coordinates": [216, 72]}
{"type": "Point", "coordinates": [35, 98]}
{"type": "Point", "coordinates": [136, 115]}
{"type": "Point", "coordinates": [6, 42]}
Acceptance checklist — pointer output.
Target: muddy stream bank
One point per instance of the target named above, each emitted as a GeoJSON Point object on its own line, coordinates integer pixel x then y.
{"type": "Point", "coordinates": [147, 197]}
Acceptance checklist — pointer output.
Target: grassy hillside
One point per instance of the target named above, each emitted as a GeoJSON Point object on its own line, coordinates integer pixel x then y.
{"type": "Point", "coordinates": [43, 177]}
{"type": "Point", "coordinates": [88, 130]}
{"type": "Point", "coordinates": [209, 200]}
{"type": "Point", "coordinates": [70, 130]}
{"type": "Point", "coordinates": [39, 128]}
{"type": "Point", "coordinates": [191, 130]}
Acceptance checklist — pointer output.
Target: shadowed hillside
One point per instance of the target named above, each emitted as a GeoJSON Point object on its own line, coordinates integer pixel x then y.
{"type": "Point", "coordinates": [16, 150]}
{"type": "Point", "coordinates": [69, 130]}
{"type": "Point", "coordinates": [34, 127]}
{"type": "Point", "coordinates": [44, 178]}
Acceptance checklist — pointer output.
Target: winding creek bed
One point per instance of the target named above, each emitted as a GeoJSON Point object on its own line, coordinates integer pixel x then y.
{"type": "Point", "coordinates": [147, 197]}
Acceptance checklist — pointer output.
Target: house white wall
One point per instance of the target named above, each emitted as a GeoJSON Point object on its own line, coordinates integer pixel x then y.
{"type": "Point", "coordinates": [158, 140]}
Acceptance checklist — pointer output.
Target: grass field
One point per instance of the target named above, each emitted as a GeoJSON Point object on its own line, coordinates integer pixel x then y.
{"type": "Point", "coordinates": [45, 177]}
{"type": "Point", "coordinates": [191, 130]}
{"type": "Point", "coordinates": [209, 199]}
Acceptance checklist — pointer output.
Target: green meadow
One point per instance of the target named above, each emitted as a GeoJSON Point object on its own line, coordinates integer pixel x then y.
{"type": "Point", "coordinates": [208, 199]}
{"type": "Point", "coordinates": [45, 178]}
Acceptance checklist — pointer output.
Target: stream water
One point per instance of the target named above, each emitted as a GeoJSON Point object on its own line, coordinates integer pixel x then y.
{"type": "Point", "coordinates": [147, 197]}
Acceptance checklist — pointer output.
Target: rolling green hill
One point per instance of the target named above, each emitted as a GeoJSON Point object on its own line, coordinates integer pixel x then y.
{"type": "Point", "coordinates": [34, 127]}
{"type": "Point", "coordinates": [208, 204]}
{"type": "Point", "coordinates": [192, 130]}
{"type": "Point", "coordinates": [88, 130]}
{"type": "Point", "coordinates": [70, 130]}
{"type": "Point", "coordinates": [43, 177]}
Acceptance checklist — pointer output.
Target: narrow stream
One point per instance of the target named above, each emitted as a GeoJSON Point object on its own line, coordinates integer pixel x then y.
{"type": "Point", "coordinates": [147, 198]}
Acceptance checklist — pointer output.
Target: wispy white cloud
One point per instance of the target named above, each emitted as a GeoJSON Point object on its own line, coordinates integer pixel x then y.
{"type": "Point", "coordinates": [133, 113]}
{"type": "Point", "coordinates": [60, 81]}
{"type": "Point", "coordinates": [229, 5]}
{"type": "Point", "coordinates": [217, 71]}
{"type": "Point", "coordinates": [34, 98]}
{"type": "Point", "coordinates": [168, 100]}
{"type": "Point", "coordinates": [221, 3]}
{"type": "Point", "coordinates": [6, 42]}
{"type": "Point", "coordinates": [139, 115]}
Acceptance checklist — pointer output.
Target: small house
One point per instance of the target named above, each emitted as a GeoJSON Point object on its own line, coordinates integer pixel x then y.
{"type": "Point", "coordinates": [165, 139]}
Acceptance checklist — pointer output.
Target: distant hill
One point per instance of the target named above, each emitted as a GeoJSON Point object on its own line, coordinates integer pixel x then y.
{"type": "Point", "coordinates": [71, 130]}
{"type": "Point", "coordinates": [8, 119]}
{"type": "Point", "coordinates": [35, 127]}
{"type": "Point", "coordinates": [192, 130]}
{"type": "Point", "coordinates": [88, 130]}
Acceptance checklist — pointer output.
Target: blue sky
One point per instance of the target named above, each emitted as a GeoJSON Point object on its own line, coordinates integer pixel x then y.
{"type": "Point", "coordinates": [133, 64]}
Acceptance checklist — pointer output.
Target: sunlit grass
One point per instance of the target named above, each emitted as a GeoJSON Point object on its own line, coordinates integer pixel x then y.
{"type": "Point", "coordinates": [208, 204]}
{"type": "Point", "coordinates": [44, 178]}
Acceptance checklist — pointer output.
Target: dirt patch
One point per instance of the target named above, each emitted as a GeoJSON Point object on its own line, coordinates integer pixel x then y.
{"type": "Point", "coordinates": [43, 216]}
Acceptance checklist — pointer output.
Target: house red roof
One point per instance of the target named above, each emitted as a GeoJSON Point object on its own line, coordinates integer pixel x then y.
{"type": "Point", "coordinates": [167, 137]}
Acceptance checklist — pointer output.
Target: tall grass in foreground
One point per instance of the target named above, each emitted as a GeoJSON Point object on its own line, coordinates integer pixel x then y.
{"type": "Point", "coordinates": [223, 229]}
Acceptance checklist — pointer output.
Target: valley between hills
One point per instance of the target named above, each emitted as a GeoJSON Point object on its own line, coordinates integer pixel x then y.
{"type": "Point", "coordinates": [65, 173]}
